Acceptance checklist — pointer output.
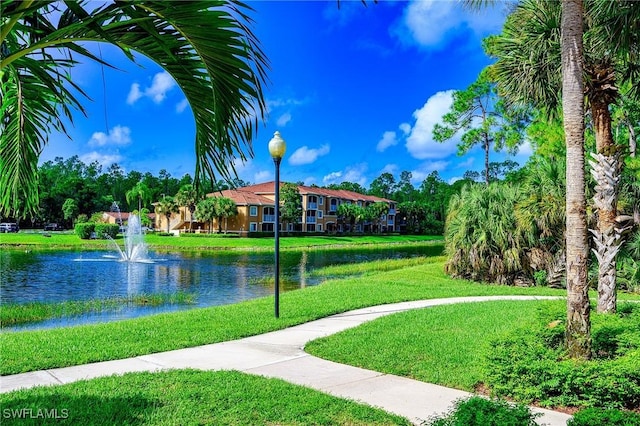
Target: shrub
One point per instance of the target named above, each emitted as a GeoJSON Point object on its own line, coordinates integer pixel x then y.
{"type": "Point", "coordinates": [528, 365]}
{"type": "Point", "coordinates": [598, 417]}
{"type": "Point", "coordinates": [478, 411]}
{"type": "Point", "coordinates": [84, 230]}
{"type": "Point", "coordinates": [103, 230]}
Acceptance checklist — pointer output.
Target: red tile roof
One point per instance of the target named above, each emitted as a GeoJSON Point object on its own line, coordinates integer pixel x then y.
{"type": "Point", "coordinates": [268, 188]}
{"type": "Point", "coordinates": [243, 198]}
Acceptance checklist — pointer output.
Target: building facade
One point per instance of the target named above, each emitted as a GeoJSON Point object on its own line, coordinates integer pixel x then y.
{"type": "Point", "coordinates": [256, 212]}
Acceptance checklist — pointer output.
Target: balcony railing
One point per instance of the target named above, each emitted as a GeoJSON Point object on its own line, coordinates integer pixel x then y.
{"type": "Point", "coordinates": [392, 211]}
{"type": "Point", "coordinates": [390, 222]}
{"type": "Point", "coordinates": [311, 219]}
{"type": "Point", "coordinates": [269, 218]}
{"type": "Point", "coordinates": [312, 206]}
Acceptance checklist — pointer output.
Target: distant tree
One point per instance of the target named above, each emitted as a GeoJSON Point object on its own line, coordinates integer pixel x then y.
{"type": "Point", "coordinates": [224, 209]}
{"type": "Point", "coordinates": [69, 209]}
{"type": "Point", "coordinates": [206, 211]}
{"type": "Point", "coordinates": [471, 175]}
{"type": "Point", "coordinates": [188, 197]}
{"type": "Point", "coordinates": [291, 209]}
{"type": "Point", "coordinates": [499, 169]}
{"type": "Point", "coordinates": [348, 186]}
{"type": "Point", "coordinates": [404, 190]}
{"type": "Point", "coordinates": [167, 207]}
{"type": "Point", "coordinates": [140, 193]}
{"type": "Point", "coordinates": [351, 213]}
{"type": "Point", "coordinates": [376, 212]}
{"type": "Point", "coordinates": [383, 186]}
{"type": "Point", "coordinates": [484, 119]}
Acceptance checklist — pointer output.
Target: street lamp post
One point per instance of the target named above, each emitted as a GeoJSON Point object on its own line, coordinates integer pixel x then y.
{"type": "Point", "coordinates": [277, 147]}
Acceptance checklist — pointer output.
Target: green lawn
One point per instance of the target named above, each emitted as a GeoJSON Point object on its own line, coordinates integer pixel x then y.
{"type": "Point", "coordinates": [187, 397]}
{"type": "Point", "coordinates": [37, 350]}
{"type": "Point", "coordinates": [68, 240]}
{"type": "Point", "coordinates": [442, 344]}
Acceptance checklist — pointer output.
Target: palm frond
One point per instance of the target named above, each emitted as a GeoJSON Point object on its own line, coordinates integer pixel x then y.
{"type": "Point", "coordinates": [207, 46]}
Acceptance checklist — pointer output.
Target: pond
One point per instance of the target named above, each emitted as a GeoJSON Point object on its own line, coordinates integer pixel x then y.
{"type": "Point", "coordinates": [214, 278]}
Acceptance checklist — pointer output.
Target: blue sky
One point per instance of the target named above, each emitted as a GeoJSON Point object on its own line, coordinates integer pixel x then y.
{"type": "Point", "coordinates": [354, 91]}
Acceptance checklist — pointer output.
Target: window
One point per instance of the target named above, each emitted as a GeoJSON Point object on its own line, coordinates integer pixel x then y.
{"type": "Point", "coordinates": [318, 228]}
{"type": "Point", "coordinates": [320, 200]}
{"type": "Point", "coordinates": [253, 227]}
{"type": "Point", "coordinates": [253, 211]}
{"type": "Point", "coordinates": [319, 214]}
{"type": "Point", "coordinates": [333, 205]}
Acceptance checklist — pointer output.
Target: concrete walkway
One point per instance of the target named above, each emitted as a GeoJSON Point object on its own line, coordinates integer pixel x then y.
{"type": "Point", "coordinates": [281, 354]}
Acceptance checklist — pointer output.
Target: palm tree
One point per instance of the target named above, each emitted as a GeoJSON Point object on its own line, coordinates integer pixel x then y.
{"type": "Point", "coordinates": [482, 238]}
{"type": "Point", "coordinates": [224, 208]}
{"type": "Point", "coordinates": [611, 58]}
{"type": "Point", "coordinates": [535, 78]}
{"type": "Point", "coordinates": [141, 192]}
{"type": "Point", "coordinates": [541, 216]}
{"type": "Point", "coordinates": [206, 211]}
{"type": "Point", "coordinates": [578, 332]}
{"type": "Point", "coordinates": [207, 46]}
{"type": "Point", "coordinates": [188, 196]}
{"type": "Point", "coordinates": [167, 207]}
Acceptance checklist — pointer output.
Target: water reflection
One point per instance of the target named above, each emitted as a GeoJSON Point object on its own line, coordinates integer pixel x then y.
{"type": "Point", "coordinates": [215, 278]}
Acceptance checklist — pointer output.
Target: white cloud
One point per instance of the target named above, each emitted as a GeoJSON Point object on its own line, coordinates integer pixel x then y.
{"type": "Point", "coordinates": [388, 139]}
{"type": "Point", "coordinates": [433, 23]}
{"type": "Point", "coordinates": [305, 155]}
{"type": "Point", "coordinates": [104, 160]}
{"type": "Point", "coordinates": [161, 84]}
{"type": "Point", "coordinates": [389, 168]}
{"type": "Point", "coordinates": [466, 164]}
{"type": "Point", "coordinates": [426, 168]}
{"type": "Point", "coordinates": [454, 179]}
{"type": "Point", "coordinates": [262, 176]}
{"type": "Point", "coordinates": [284, 119]}
{"type": "Point", "coordinates": [420, 143]}
{"type": "Point", "coordinates": [406, 128]}
{"type": "Point", "coordinates": [354, 174]}
{"type": "Point", "coordinates": [119, 135]}
{"type": "Point", "coordinates": [309, 180]}
{"type": "Point", "coordinates": [332, 177]}
{"type": "Point", "coordinates": [182, 105]}
{"type": "Point", "coordinates": [134, 94]}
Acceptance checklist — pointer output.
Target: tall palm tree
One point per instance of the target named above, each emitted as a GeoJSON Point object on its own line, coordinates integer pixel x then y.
{"type": "Point", "coordinates": [207, 46]}
{"type": "Point", "coordinates": [578, 332]}
{"type": "Point", "coordinates": [167, 207]}
{"type": "Point", "coordinates": [141, 192]}
{"type": "Point", "coordinates": [611, 57]}
{"type": "Point", "coordinates": [188, 196]}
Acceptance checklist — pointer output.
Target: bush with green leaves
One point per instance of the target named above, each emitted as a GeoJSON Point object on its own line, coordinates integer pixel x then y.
{"type": "Point", "coordinates": [482, 238]}
{"type": "Point", "coordinates": [478, 411]}
{"type": "Point", "coordinates": [530, 365]}
{"type": "Point", "coordinates": [104, 230]}
{"type": "Point", "coordinates": [84, 230]}
{"type": "Point", "coordinates": [599, 417]}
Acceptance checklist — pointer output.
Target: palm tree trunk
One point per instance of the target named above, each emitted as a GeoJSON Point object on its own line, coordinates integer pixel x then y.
{"type": "Point", "coordinates": [606, 171]}
{"type": "Point", "coordinates": [578, 330]}
{"type": "Point", "coordinates": [632, 140]}
{"type": "Point", "coordinates": [486, 158]}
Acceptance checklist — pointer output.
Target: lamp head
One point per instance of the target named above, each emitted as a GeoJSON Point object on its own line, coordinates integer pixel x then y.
{"type": "Point", "coordinates": [277, 146]}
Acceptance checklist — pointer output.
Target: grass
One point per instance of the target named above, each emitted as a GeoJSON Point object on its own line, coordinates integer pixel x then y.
{"type": "Point", "coordinates": [443, 344]}
{"type": "Point", "coordinates": [24, 313]}
{"type": "Point", "coordinates": [41, 349]}
{"type": "Point", "coordinates": [188, 397]}
{"type": "Point", "coordinates": [67, 240]}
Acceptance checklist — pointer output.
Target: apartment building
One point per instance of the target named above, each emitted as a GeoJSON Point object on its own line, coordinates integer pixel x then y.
{"type": "Point", "coordinates": [256, 212]}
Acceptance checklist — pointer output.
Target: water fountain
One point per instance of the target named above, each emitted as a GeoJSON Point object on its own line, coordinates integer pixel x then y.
{"type": "Point", "coordinates": [135, 249]}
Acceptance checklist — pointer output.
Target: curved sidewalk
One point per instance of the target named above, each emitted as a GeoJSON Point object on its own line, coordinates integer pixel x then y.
{"type": "Point", "coordinates": [280, 354]}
